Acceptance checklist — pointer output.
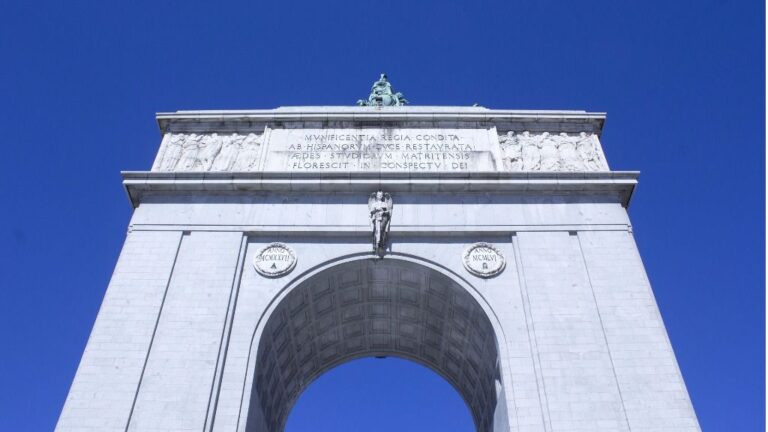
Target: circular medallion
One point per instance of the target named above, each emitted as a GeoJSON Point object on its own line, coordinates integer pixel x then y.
{"type": "Point", "coordinates": [274, 260]}
{"type": "Point", "coordinates": [484, 260]}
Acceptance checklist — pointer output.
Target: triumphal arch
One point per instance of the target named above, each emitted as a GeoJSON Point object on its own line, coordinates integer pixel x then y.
{"type": "Point", "coordinates": [268, 246]}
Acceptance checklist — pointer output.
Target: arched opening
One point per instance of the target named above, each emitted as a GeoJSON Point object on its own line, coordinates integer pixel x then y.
{"type": "Point", "coordinates": [380, 394]}
{"type": "Point", "coordinates": [374, 307]}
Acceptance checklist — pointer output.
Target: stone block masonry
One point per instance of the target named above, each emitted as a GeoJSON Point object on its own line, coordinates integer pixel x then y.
{"type": "Point", "coordinates": [566, 337]}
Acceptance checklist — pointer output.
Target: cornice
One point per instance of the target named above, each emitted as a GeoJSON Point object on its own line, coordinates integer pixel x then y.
{"type": "Point", "coordinates": [378, 115]}
{"type": "Point", "coordinates": [619, 183]}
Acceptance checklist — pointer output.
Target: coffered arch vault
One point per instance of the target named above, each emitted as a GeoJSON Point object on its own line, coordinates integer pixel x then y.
{"type": "Point", "coordinates": [374, 307]}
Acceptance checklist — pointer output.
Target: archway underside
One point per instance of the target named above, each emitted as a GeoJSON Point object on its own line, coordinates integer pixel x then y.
{"type": "Point", "coordinates": [373, 308]}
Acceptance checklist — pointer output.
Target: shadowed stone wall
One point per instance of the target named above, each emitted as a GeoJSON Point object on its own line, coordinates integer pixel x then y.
{"type": "Point", "coordinates": [377, 308]}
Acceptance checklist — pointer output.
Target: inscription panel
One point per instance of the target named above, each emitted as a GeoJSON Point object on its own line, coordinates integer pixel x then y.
{"type": "Point", "coordinates": [386, 150]}
{"type": "Point", "coordinates": [484, 260]}
{"type": "Point", "coordinates": [274, 260]}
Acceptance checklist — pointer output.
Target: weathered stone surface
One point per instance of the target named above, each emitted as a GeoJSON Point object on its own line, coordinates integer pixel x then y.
{"type": "Point", "coordinates": [551, 153]}
{"type": "Point", "coordinates": [191, 337]}
{"type": "Point", "coordinates": [381, 150]}
{"type": "Point", "coordinates": [285, 141]}
{"type": "Point", "coordinates": [399, 150]}
{"type": "Point", "coordinates": [209, 152]}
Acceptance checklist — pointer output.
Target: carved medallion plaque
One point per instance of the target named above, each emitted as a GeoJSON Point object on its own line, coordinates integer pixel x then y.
{"type": "Point", "coordinates": [275, 260]}
{"type": "Point", "coordinates": [484, 260]}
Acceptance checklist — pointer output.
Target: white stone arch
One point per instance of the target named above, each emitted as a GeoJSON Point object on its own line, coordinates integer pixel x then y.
{"type": "Point", "coordinates": [499, 415]}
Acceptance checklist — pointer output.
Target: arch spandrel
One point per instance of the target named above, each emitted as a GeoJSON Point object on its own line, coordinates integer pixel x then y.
{"type": "Point", "coordinates": [366, 307]}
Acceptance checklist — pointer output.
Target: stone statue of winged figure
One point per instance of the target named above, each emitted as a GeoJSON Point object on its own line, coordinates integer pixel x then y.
{"type": "Point", "coordinates": [380, 208]}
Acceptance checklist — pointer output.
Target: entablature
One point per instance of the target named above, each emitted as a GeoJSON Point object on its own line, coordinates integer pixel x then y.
{"type": "Point", "coordinates": [620, 184]}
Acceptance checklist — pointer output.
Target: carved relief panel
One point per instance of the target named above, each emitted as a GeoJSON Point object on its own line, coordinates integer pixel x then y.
{"type": "Point", "coordinates": [551, 152]}
{"type": "Point", "coordinates": [518, 152]}
{"type": "Point", "coordinates": [209, 152]}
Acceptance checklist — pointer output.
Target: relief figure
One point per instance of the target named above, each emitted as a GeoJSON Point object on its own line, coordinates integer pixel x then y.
{"type": "Point", "coordinates": [248, 157]}
{"type": "Point", "coordinates": [228, 154]}
{"type": "Point", "coordinates": [569, 157]}
{"type": "Point", "coordinates": [511, 152]}
{"type": "Point", "coordinates": [589, 155]}
{"type": "Point", "coordinates": [550, 160]}
{"type": "Point", "coordinates": [190, 149]}
{"type": "Point", "coordinates": [530, 152]}
{"type": "Point", "coordinates": [172, 153]}
{"type": "Point", "coordinates": [210, 149]}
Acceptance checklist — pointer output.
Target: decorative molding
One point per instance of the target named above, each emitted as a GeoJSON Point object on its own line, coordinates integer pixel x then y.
{"type": "Point", "coordinates": [237, 120]}
{"type": "Point", "coordinates": [620, 184]}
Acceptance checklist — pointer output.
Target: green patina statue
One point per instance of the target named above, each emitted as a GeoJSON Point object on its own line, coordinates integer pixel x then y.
{"type": "Point", "coordinates": [382, 95]}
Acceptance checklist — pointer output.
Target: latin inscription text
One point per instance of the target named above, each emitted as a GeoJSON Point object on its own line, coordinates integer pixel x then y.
{"type": "Point", "coordinates": [409, 150]}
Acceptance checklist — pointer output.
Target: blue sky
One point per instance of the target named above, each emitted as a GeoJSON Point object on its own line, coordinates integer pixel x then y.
{"type": "Point", "coordinates": [682, 83]}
